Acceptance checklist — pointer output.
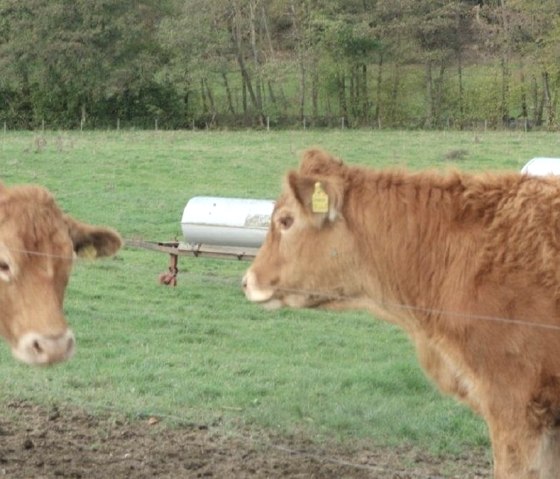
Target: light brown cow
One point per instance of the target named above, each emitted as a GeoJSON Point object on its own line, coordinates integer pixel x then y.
{"type": "Point", "coordinates": [468, 265]}
{"type": "Point", "coordinates": [37, 244]}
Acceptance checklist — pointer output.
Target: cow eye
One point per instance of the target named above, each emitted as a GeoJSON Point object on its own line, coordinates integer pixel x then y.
{"type": "Point", "coordinates": [286, 222]}
{"type": "Point", "coordinates": [4, 267]}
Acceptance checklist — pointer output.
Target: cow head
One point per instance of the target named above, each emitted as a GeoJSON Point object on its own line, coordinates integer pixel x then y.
{"type": "Point", "coordinates": [37, 246]}
{"type": "Point", "coordinates": [309, 249]}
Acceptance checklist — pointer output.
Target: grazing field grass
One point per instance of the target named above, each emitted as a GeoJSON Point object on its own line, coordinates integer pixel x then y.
{"type": "Point", "coordinates": [200, 352]}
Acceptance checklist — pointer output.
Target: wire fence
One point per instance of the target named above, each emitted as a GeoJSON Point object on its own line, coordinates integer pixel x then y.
{"type": "Point", "coordinates": [134, 244]}
{"type": "Point", "coordinates": [277, 122]}
{"type": "Point", "coordinates": [261, 442]}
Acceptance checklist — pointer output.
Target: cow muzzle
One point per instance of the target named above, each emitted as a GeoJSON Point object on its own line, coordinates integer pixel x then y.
{"type": "Point", "coordinates": [272, 297]}
{"type": "Point", "coordinates": [253, 291]}
{"type": "Point", "coordinates": [41, 350]}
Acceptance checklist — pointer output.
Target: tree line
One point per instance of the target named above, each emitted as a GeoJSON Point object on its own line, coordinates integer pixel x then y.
{"type": "Point", "coordinates": [232, 63]}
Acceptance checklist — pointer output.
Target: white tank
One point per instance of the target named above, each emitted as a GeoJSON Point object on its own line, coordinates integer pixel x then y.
{"type": "Point", "coordinates": [541, 166]}
{"type": "Point", "coordinates": [226, 221]}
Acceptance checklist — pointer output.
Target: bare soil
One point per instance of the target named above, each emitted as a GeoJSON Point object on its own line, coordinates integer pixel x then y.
{"type": "Point", "coordinates": [64, 442]}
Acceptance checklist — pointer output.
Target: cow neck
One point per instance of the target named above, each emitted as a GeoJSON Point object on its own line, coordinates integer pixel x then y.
{"type": "Point", "coordinates": [405, 230]}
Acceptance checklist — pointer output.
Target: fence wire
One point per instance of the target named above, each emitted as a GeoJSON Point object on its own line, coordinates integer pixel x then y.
{"type": "Point", "coordinates": [235, 282]}
{"type": "Point", "coordinates": [326, 295]}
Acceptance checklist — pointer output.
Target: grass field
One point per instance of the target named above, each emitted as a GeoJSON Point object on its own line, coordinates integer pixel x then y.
{"type": "Point", "coordinates": [200, 352]}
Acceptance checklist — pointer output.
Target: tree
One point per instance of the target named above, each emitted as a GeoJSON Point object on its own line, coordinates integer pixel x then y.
{"type": "Point", "coordinates": [197, 41]}
{"type": "Point", "coordinates": [391, 62]}
{"type": "Point", "coordinates": [397, 47]}
{"type": "Point", "coordinates": [536, 35]}
{"type": "Point", "coordinates": [440, 29]}
{"type": "Point", "coordinates": [75, 53]}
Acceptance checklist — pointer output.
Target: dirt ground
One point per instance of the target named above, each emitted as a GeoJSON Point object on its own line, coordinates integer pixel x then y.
{"type": "Point", "coordinates": [58, 442]}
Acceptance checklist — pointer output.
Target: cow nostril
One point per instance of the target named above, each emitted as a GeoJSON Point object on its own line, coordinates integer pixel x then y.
{"type": "Point", "coordinates": [244, 282]}
{"type": "Point", "coordinates": [37, 347]}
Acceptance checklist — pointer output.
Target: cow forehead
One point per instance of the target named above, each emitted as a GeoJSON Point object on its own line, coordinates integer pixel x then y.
{"type": "Point", "coordinates": [32, 230]}
{"type": "Point", "coordinates": [30, 221]}
{"type": "Point", "coordinates": [30, 251]}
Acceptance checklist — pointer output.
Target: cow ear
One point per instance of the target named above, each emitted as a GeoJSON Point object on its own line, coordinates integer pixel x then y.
{"type": "Point", "coordinates": [320, 197]}
{"type": "Point", "coordinates": [92, 241]}
{"type": "Point", "coordinates": [315, 161]}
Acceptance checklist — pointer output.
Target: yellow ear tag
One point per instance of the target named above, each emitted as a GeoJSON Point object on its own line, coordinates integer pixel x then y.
{"type": "Point", "coordinates": [319, 200]}
{"type": "Point", "coordinates": [88, 252]}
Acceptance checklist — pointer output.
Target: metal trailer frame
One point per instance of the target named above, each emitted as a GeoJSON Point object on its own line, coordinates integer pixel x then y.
{"type": "Point", "coordinates": [175, 249]}
{"type": "Point", "coordinates": [215, 227]}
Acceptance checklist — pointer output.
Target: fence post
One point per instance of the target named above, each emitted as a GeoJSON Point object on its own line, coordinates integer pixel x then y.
{"type": "Point", "coordinates": [118, 123]}
{"type": "Point", "coordinates": [342, 123]}
{"type": "Point", "coordinates": [156, 122]}
{"type": "Point", "coordinates": [267, 123]}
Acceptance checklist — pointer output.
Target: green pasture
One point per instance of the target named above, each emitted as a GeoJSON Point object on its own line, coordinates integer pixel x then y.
{"type": "Point", "coordinates": [200, 353]}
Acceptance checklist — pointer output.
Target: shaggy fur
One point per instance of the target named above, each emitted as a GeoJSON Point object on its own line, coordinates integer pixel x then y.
{"type": "Point", "coordinates": [468, 265]}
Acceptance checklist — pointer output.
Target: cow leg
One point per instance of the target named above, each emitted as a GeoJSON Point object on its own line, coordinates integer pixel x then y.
{"type": "Point", "coordinates": [444, 372]}
{"type": "Point", "coordinates": [550, 454]}
{"type": "Point", "coordinates": [516, 449]}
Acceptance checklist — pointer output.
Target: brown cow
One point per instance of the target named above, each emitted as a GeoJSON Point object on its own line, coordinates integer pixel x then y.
{"type": "Point", "coordinates": [37, 245]}
{"type": "Point", "coordinates": [468, 265]}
